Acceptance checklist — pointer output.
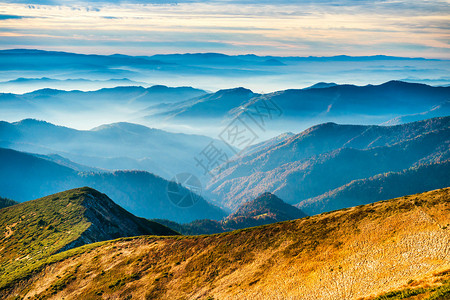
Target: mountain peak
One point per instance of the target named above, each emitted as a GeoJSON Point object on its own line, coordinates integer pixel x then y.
{"type": "Point", "coordinates": [46, 92]}
{"type": "Point", "coordinates": [321, 85]}
{"type": "Point", "coordinates": [238, 90]}
{"type": "Point", "coordinates": [267, 196]}
{"type": "Point", "coordinates": [74, 218]}
{"type": "Point", "coordinates": [399, 83]}
{"type": "Point", "coordinates": [267, 205]}
{"type": "Point", "coordinates": [323, 126]}
{"type": "Point", "coordinates": [123, 126]}
{"type": "Point", "coordinates": [33, 122]}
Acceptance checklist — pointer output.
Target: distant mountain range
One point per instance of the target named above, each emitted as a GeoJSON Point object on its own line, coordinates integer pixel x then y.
{"type": "Point", "coordinates": [27, 85]}
{"type": "Point", "coordinates": [215, 71]}
{"type": "Point", "coordinates": [190, 110]}
{"type": "Point", "coordinates": [440, 110]}
{"type": "Point", "coordinates": [290, 110]}
{"type": "Point", "coordinates": [387, 249]}
{"type": "Point", "coordinates": [328, 156]}
{"type": "Point", "coordinates": [37, 229]}
{"type": "Point", "coordinates": [301, 169]}
{"type": "Point", "coordinates": [371, 104]}
{"type": "Point", "coordinates": [25, 177]}
{"type": "Point", "coordinates": [112, 146]}
{"type": "Point", "coordinates": [321, 85]}
{"type": "Point", "coordinates": [214, 106]}
{"type": "Point", "coordinates": [92, 108]}
{"type": "Point", "coordinates": [381, 187]}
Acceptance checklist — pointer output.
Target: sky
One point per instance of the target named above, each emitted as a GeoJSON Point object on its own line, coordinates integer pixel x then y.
{"type": "Point", "coordinates": [286, 28]}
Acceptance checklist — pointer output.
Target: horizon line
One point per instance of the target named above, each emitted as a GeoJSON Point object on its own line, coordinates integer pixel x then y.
{"type": "Point", "coordinates": [230, 55]}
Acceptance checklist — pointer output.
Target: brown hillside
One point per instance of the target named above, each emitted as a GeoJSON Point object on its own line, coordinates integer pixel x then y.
{"type": "Point", "coordinates": [352, 253]}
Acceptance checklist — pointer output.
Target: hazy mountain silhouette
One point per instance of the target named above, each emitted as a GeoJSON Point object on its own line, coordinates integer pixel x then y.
{"type": "Point", "coordinates": [441, 110]}
{"type": "Point", "coordinates": [321, 85]}
{"type": "Point", "coordinates": [290, 110]}
{"type": "Point", "coordinates": [26, 85]}
{"type": "Point", "coordinates": [25, 177]}
{"type": "Point", "coordinates": [211, 106]}
{"type": "Point", "coordinates": [390, 98]}
{"type": "Point", "coordinates": [92, 108]}
{"type": "Point", "coordinates": [191, 110]}
{"type": "Point", "coordinates": [111, 146]}
{"type": "Point", "coordinates": [216, 71]}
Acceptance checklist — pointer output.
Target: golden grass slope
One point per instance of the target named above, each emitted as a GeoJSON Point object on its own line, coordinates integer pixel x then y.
{"type": "Point", "coordinates": [354, 253]}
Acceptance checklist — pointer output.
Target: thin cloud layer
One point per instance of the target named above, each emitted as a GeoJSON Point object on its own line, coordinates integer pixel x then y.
{"type": "Point", "coordinates": [413, 28]}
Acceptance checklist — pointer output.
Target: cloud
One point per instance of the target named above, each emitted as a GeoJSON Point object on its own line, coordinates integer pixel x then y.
{"type": "Point", "coordinates": [7, 17]}
{"type": "Point", "coordinates": [37, 2]}
{"type": "Point", "coordinates": [297, 27]}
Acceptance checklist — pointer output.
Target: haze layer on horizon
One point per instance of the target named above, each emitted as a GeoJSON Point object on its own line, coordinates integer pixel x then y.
{"type": "Point", "coordinates": [299, 28]}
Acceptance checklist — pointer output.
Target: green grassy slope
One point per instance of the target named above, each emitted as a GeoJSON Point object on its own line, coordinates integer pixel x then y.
{"type": "Point", "coordinates": [5, 202]}
{"type": "Point", "coordinates": [34, 230]}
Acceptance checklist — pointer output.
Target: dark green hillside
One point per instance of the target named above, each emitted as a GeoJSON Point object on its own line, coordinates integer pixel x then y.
{"type": "Point", "coordinates": [34, 230]}
{"type": "Point", "coordinates": [5, 202]}
{"type": "Point", "coordinates": [268, 203]}
{"type": "Point", "coordinates": [265, 209]}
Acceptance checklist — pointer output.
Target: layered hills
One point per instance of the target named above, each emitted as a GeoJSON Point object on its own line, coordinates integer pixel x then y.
{"type": "Point", "coordinates": [298, 109]}
{"type": "Point", "coordinates": [34, 230]}
{"type": "Point", "coordinates": [214, 106]}
{"type": "Point", "coordinates": [216, 71]}
{"type": "Point", "coordinates": [89, 109]}
{"type": "Point", "coordinates": [190, 110]}
{"type": "Point", "coordinates": [356, 253]}
{"type": "Point", "coordinates": [380, 187]}
{"type": "Point", "coordinates": [392, 97]}
{"type": "Point", "coordinates": [116, 146]}
{"type": "Point", "coordinates": [328, 156]}
{"type": "Point", "coordinates": [26, 176]}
